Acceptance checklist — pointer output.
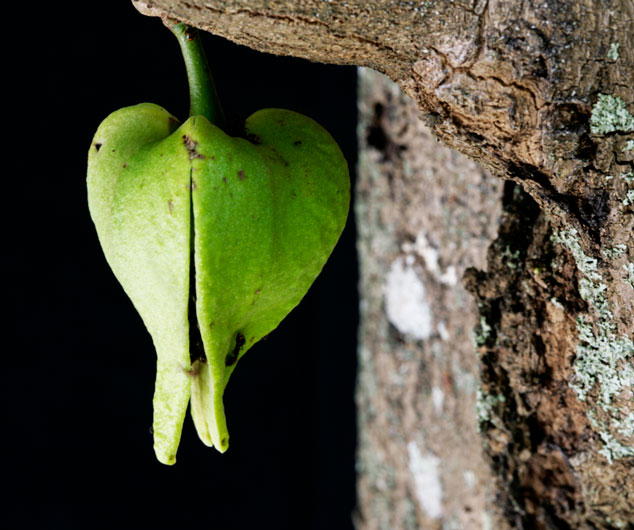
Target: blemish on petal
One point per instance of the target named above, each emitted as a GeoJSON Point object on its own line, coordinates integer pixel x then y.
{"type": "Point", "coordinates": [190, 145]}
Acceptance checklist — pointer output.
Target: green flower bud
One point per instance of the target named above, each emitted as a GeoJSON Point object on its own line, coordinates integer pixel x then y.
{"type": "Point", "coordinates": [215, 239]}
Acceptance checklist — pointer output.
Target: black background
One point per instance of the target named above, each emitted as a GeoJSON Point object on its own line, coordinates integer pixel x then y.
{"type": "Point", "coordinates": [79, 366]}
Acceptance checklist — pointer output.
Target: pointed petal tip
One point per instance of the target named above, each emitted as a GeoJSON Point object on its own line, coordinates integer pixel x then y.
{"type": "Point", "coordinates": [167, 459]}
{"type": "Point", "coordinates": [206, 440]}
{"type": "Point", "coordinates": [223, 445]}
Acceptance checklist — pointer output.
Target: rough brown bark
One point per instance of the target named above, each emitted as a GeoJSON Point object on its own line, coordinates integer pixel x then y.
{"type": "Point", "coordinates": [541, 94]}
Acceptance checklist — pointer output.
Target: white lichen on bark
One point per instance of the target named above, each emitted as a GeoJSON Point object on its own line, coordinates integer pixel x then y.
{"type": "Point", "coordinates": [604, 359]}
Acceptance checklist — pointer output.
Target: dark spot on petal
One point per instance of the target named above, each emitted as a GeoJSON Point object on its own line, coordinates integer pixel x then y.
{"type": "Point", "coordinates": [170, 206]}
{"type": "Point", "coordinates": [251, 339]}
{"type": "Point", "coordinates": [241, 174]}
{"type": "Point", "coordinates": [224, 179]}
{"type": "Point", "coordinates": [254, 139]}
{"type": "Point", "coordinates": [297, 142]}
{"type": "Point", "coordinates": [98, 146]}
{"type": "Point", "coordinates": [190, 145]}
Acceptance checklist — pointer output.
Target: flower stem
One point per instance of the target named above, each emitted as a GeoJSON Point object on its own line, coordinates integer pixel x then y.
{"type": "Point", "coordinates": [203, 98]}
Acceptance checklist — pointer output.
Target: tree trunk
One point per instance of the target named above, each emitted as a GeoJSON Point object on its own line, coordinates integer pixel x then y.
{"type": "Point", "coordinates": [541, 95]}
{"type": "Point", "coordinates": [424, 214]}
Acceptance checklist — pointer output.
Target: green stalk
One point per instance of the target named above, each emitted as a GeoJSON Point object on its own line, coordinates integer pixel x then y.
{"type": "Point", "coordinates": [203, 98]}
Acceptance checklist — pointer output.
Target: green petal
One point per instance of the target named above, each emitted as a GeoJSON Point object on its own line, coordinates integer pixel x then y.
{"type": "Point", "coordinates": [267, 215]}
{"type": "Point", "coordinates": [139, 196]}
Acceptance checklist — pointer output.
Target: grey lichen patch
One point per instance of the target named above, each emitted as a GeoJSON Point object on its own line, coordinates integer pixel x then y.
{"type": "Point", "coordinates": [556, 303]}
{"type": "Point", "coordinates": [610, 114]}
{"type": "Point", "coordinates": [603, 358]}
{"type": "Point", "coordinates": [629, 271]}
{"type": "Point", "coordinates": [426, 472]}
{"type": "Point", "coordinates": [614, 252]}
{"type": "Point", "coordinates": [627, 425]}
{"type": "Point", "coordinates": [482, 332]}
{"type": "Point", "coordinates": [406, 301]}
{"type": "Point", "coordinates": [511, 257]}
{"type": "Point", "coordinates": [613, 449]}
{"type": "Point", "coordinates": [613, 53]}
{"type": "Point", "coordinates": [629, 146]}
{"type": "Point", "coordinates": [484, 406]}
{"type": "Point", "coordinates": [487, 521]}
{"type": "Point", "coordinates": [616, 523]}
{"type": "Point", "coordinates": [628, 177]}
{"type": "Point", "coordinates": [587, 265]}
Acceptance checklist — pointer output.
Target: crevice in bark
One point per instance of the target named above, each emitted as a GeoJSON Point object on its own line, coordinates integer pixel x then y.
{"type": "Point", "coordinates": [534, 425]}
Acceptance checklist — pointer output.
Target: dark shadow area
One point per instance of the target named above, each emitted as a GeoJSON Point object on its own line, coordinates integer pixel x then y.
{"type": "Point", "coordinates": [80, 366]}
